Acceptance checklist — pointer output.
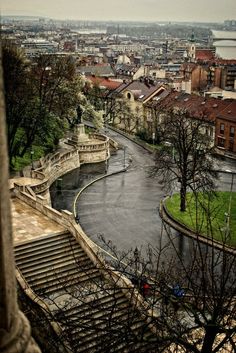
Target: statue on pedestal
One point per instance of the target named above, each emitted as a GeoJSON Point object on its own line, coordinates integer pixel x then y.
{"type": "Point", "coordinates": [79, 112]}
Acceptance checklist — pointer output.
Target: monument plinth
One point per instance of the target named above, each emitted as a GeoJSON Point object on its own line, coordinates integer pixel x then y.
{"type": "Point", "coordinates": [79, 136]}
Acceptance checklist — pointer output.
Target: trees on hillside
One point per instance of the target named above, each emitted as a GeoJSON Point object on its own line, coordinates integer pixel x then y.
{"type": "Point", "coordinates": [186, 156]}
{"type": "Point", "coordinates": [41, 97]}
{"type": "Point", "coordinates": [19, 96]}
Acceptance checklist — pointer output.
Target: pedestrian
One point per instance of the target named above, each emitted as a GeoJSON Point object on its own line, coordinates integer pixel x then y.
{"type": "Point", "coordinates": [145, 288]}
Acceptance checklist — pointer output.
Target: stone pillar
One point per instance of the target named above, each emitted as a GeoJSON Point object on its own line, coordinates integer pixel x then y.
{"type": "Point", "coordinates": [80, 137]}
{"type": "Point", "coordinates": [15, 335]}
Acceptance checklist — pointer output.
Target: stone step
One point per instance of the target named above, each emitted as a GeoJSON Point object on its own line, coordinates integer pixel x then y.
{"type": "Point", "coordinates": [56, 267]}
{"type": "Point", "coordinates": [55, 275]}
{"type": "Point", "coordinates": [85, 313]}
{"type": "Point", "coordinates": [66, 282]}
{"type": "Point", "coordinates": [31, 274]}
{"type": "Point", "coordinates": [100, 329]}
{"type": "Point", "coordinates": [43, 240]}
{"type": "Point", "coordinates": [93, 303]}
{"type": "Point", "coordinates": [49, 263]}
{"type": "Point", "coordinates": [114, 338]}
{"type": "Point", "coordinates": [39, 250]}
{"type": "Point", "coordinates": [99, 319]}
{"type": "Point", "coordinates": [50, 254]}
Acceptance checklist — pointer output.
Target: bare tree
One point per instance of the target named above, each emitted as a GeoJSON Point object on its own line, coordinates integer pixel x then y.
{"type": "Point", "coordinates": [188, 304]}
{"type": "Point", "coordinates": [206, 308]}
{"type": "Point", "coordinates": [186, 155]}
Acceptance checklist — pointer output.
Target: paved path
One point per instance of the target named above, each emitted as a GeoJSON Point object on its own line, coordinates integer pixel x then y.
{"type": "Point", "coordinates": [29, 223]}
{"type": "Point", "coordinates": [23, 181]}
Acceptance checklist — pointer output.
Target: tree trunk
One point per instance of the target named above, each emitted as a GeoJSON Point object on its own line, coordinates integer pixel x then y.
{"type": "Point", "coordinates": [210, 335]}
{"type": "Point", "coordinates": [183, 198]}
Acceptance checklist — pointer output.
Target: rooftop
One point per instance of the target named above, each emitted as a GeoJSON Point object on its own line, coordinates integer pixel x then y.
{"type": "Point", "coordinates": [224, 34]}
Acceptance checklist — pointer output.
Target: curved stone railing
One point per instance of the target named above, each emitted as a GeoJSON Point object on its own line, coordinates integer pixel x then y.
{"type": "Point", "coordinates": [55, 165]}
{"type": "Point", "coordinates": [67, 220]}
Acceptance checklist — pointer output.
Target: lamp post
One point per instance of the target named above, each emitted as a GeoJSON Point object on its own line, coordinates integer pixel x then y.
{"type": "Point", "coordinates": [169, 144]}
{"type": "Point", "coordinates": [228, 214]}
{"type": "Point", "coordinates": [31, 158]}
{"type": "Point", "coordinates": [125, 147]}
{"type": "Point", "coordinates": [136, 259]}
{"type": "Point", "coordinates": [153, 138]}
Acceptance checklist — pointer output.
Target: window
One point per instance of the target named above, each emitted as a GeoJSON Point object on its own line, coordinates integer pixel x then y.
{"type": "Point", "coordinates": [231, 131]}
{"type": "Point", "coordinates": [221, 142]}
{"type": "Point", "coordinates": [128, 95]}
{"type": "Point", "coordinates": [222, 129]}
{"type": "Point", "coordinates": [231, 146]}
{"type": "Point", "coordinates": [210, 131]}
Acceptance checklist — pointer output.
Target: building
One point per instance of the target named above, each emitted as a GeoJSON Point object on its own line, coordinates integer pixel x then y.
{"type": "Point", "coordinates": [225, 44]}
{"type": "Point", "coordinates": [195, 74]}
{"type": "Point", "coordinates": [225, 130]}
{"type": "Point", "coordinates": [100, 70]}
{"type": "Point", "coordinates": [136, 95]}
{"type": "Point", "coordinates": [34, 47]}
{"type": "Point", "coordinates": [212, 111]}
{"type": "Point", "coordinates": [225, 49]}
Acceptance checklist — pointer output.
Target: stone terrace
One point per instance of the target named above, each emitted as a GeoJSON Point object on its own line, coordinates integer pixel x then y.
{"type": "Point", "coordinates": [29, 223]}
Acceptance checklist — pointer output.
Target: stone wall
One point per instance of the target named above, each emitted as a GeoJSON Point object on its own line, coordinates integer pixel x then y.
{"type": "Point", "coordinates": [53, 166]}
{"type": "Point", "coordinates": [66, 219]}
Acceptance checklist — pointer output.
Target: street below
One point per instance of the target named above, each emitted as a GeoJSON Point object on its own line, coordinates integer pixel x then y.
{"type": "Point", "coordinates": [123, 208]}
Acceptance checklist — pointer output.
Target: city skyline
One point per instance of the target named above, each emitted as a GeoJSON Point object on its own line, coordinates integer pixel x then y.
{"type": "Point", "coordinates": [133, 10]}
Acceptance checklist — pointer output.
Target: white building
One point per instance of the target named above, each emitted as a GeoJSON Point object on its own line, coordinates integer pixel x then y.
{"type": "Point", "coordinates": [225, 49]}
{"type": "Point", "coordinates": [225, 44]}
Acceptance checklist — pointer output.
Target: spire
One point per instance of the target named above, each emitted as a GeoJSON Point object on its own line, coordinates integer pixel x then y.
{"type": "Point", "coordinates": [192, 38]}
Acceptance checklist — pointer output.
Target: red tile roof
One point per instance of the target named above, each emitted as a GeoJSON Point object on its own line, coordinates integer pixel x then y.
{"type": "Point", "coordinates": [204, 54]}
{"type": "Point", "coordinates": [142, 90]}
{"type": "Point", "coordinates": [104, 82]}
{"type": "Point", "coordinates": [197, 106]}
{"type": "Point", "coordinates": [229, 112]}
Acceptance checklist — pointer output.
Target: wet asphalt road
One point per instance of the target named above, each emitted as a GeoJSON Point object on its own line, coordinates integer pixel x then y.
{"type": "Point", "coordinates": [123, 207]}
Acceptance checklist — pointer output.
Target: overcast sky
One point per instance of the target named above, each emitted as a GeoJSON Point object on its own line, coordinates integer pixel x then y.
{"type": "Point", "coordinates": [143, 10]}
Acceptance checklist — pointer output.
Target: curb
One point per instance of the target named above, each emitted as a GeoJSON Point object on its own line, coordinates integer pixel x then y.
{"type": "Point", "coordinates": [139, 143]}
{"type": "Point", "coordinates": [167, 218]}
{"type": "Point", "coordinates": [94, 181]}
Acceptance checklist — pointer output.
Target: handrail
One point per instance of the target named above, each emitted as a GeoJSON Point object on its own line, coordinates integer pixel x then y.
{"type": "Point", "coordinates": [49, 169]}
{"type": "Point", "coordinates": [66, 219]}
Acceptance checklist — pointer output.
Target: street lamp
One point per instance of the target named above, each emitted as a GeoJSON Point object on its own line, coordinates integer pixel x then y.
{"type": "Point", "coordinates": [125, 147]}
{"type": "Point", "coordinates": [228, 214]}
{"type": "Point", "coordinates": [31, 158]}
{"type": "Point", "coordinates": [136, 259]}
{"type": "Point", "coordinates": [169, 144]}
{"type": "Point", "coordinates": [153, 138]}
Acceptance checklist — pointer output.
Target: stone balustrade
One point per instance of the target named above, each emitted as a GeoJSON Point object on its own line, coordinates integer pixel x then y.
{"type": "Point", "coordinates": [55, 165]}
{"type": "Point", "coordinates": [66, 219]}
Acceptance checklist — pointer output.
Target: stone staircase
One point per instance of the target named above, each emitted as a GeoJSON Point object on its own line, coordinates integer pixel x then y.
{"type": "Point", "coordinates": [93, 312]}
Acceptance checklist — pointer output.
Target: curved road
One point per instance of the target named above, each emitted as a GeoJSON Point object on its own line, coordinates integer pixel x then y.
{"type": "Point", "coordinates": [124, 207]}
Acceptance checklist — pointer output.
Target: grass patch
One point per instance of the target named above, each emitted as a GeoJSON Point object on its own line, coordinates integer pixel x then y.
{"type": "Point", "coordinates": [207, 214]}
